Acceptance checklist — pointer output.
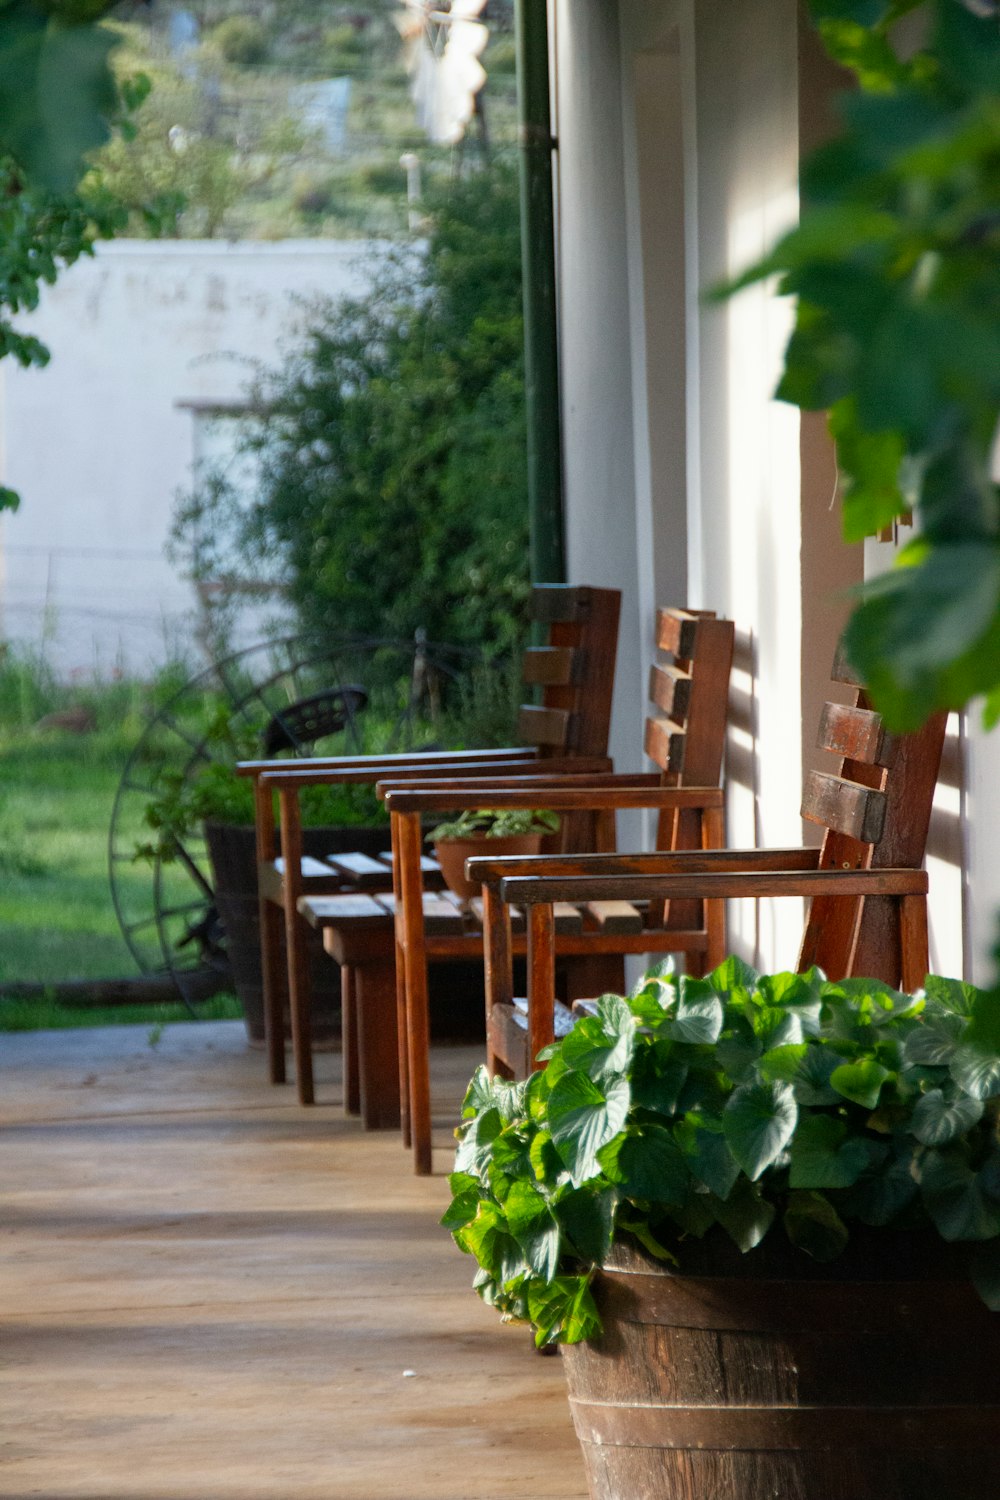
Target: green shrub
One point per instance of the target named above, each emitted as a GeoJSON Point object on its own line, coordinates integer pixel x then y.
{"type": "Point", "coordinates": [241, 40]}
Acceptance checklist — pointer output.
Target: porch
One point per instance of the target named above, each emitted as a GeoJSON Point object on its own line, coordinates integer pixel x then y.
{"type": "Point", "coordinates": [212, 1294]}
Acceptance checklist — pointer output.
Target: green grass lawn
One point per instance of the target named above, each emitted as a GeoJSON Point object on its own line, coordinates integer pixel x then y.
{"type": "Point", "coordinates": [57, 921]}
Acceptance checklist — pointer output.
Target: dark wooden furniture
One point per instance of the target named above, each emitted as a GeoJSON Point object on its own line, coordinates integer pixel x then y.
{"type": "Point", "coordinates": [573, 674]}
{"type": "Point", "coordinates": [684, 737]}
{"type": "Point", "coordinates": [865, 885]}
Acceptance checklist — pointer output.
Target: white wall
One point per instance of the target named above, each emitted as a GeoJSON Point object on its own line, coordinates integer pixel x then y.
{"type": "Point", "coordinates": [98, 445]}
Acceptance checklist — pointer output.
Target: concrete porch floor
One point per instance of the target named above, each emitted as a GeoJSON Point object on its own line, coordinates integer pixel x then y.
{"type": "Point", "coordinates": [208, 1293]}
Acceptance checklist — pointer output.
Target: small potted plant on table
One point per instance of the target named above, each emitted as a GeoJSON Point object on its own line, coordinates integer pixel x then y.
{"type": "Point", "coordinates": [762, 1215]}
{"type": "Point", "coordinates": [487, 832]}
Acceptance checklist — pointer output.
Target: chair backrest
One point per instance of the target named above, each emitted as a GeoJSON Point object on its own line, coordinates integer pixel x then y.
{"type": "Point", "coordinates": [575, 670]}
{"type": "Point", "coordinates": [689, 693]}
{"type": "Point", "coordinates": [876, 810]}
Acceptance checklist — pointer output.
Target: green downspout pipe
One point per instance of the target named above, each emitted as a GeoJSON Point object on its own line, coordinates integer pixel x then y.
{"type": "Point", "coordinates": [538, 264]}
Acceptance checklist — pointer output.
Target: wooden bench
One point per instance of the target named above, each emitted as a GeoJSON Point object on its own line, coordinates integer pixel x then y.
{"type": "Point", "coordinates": [866, 889]}
{"type": "Point", "coordinates": [573, 674]}
{"type": "Point", "coordinates": [684, 736]}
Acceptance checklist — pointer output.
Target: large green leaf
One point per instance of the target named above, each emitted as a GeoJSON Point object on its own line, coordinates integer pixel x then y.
{"type": "Point", "coordinates": [57, 92]}
{"type": "Point", "coordinates": [583, 1117]}
{"type": "Point", "coordinates": [586, 1218]}
{"type": "Point", "coordinates": [822, 1155]}
{"type": "Point", "coordinates": [813, 1225]}
{"type": "Point", "coordinates": [937, 1120]}
{"type": "Point", "coordinates": [532, 1224]}
{"type": "Point", "coordinates": [978, 1073]}
{"type": "Point", "coordinates": [695, 1020]}
{"type": "Point", "coordinates": [649, 1165]}
{"type": "Point", "coordinates": [707, 1153]}
{"type": "Point", "coordinates": [860, 1081]}
{"type": "Point", "coordinates": [883, 1191]}
{"type": "Point", "coordinates": [807, 1068]}
{"type": "Point", "coordinates": [955, 1199]}
{"type": "Point", "coordinates": [759, 1121]}
{"type": "Point", "coordinates": [593, 1049]}
{"type": "Point", "coordinates": [744, 1214]}
{"type": "Point", "coordinates": [563, 1309]}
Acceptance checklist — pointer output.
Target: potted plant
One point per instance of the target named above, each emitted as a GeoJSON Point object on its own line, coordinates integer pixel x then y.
{"type": "Point", "coordinates": [486, 831]}
{"type": "Point", "coordinates": [208, 801]}
{"type": "Point", "coordinates": [762, 1215]}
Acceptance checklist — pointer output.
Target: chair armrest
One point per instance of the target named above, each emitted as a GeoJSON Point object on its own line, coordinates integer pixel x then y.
{"type": "Point", "coordinates": [470, 791]}
{"type": "Point", "coordinates": [490, 871]}
{"type": "Point", "coordinates": [387, 764]}
{"type": "Point", "coordinates": [726, 885]}
{"type": "Point", "coordinates": [301, 774]}
{"type": "Point", "coordinates": [565, 798]}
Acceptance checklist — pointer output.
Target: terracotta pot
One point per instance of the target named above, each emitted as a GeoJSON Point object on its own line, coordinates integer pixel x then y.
{"type": "Point", "coordinates": [451, 855]}
{"type": "Point", "coordinates": [880, 1381]}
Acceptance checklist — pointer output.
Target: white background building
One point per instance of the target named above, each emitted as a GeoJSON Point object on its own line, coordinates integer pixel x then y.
{"type": "Point", "coordinates": [150, 342]}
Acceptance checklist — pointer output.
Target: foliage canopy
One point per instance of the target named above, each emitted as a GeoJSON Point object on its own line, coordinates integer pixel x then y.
{"type": "Point", "coordinates": [894, 265]}
{"type": "Point", "coordinates": [391, 445]}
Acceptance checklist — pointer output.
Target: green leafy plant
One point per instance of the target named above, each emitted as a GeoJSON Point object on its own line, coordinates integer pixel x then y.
{"type": "Point", "coordinates": [897, 334]}
{"type": "Point", "coordinates": [485, 823]}
{"type": "Point", "coordinates": [210, 791]}
{"type": "Point", "coordinates": [737, 1103]}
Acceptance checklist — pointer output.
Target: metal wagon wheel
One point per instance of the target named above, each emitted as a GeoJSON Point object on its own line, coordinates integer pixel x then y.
{"type": "Point", "coordinates": [293, 696]}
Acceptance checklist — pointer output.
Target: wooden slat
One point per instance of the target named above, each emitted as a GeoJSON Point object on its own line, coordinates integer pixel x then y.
{"type": "Point", "coordinates": [670, 690]}
{"type": "Point", "coordinates": [358, 909]}
{"type": "Point", "coordinates": [544, 726]}
{"type": "Point", "coordinates": [516, 914]}
{"type": "Point", "coordinates": [312, 869]}
{"type": "Point", "coordinates": [842, 670]}
{"type": "Point", "coordinates": [563, 1018]}
{"type": "Point", "coordinates": [845, 806]}
{"type": "Point", "coordinates": [615, 916]}
{"type": "Point", "coordinates": [558, 603]}
{"type": "Point", "coordinates": [551, 666]}
{"type": "Point", "coordinates": [567, 918]}
{"type": "Point", "coordinates": [664, 744]}
{"type": "Point", "coordinates": [362, 871]}
{"type": "Point", "coordinates": [856, 734]}
{"type": "Point", "coordinates": [676, 631]}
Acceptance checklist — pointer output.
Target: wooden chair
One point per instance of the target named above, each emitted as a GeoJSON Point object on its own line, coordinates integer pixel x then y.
{"type": "Point", "coordinates": [685, 738]}
{"type": "Point", "coordinates": [867, 891]}
{"type": "Point", "coordinates": [574, 674]}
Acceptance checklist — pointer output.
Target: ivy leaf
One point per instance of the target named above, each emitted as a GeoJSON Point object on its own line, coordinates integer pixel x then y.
{"type": "Point", "coordinates": [954, 1197]}
{"type": "Point", "coordinates": [975, 1072]}
{"type": "Point", "coordinates": [936, 1120]}
{"type": "Point", "coordinates": [583, 1118]}
{"type": "Point", "coordinates": [953, 995]}
{"type": "Point", "coordinates": [708, 1155]}
{"type": "Point", "coordinates": [592, 1050]}
{"type": "Point", "coordinates": [885, 1188]}
{"type": "Point", "coordinates": [822, 1156]}
{"type": "Point", "coordinates": [807, 1068]}
{"type": "Point", "coordinates": [586, 1219]}
{"type": "Point", "coordinates": [933, 1040]}
{"type": "Point", "coordinates": [861, 1082]}
{"type": "Point", "coordinates": [563, 1309]}
{"type": "Point", "coordinates": [733, 976]}
{"type": "Point", "coordinates": [758, 1122]}
{"type": "Point", "coordinates": [532, 1224]}
{"type": "Point", "coordinates": [696, 1021]}
{"type": "Point", "coordinates": [744, 1214]}
{"type": "Point", "coordinates": [813, 1225]}
{"type": "Point", "coordinates": [657, 1079]}
{"type": "Point", "coordinates": [651, 1166]}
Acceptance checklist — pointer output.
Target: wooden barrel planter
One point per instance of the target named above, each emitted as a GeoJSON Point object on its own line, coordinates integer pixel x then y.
{"type": "Point", "coordinates": [877, 1382]}
{"type": "Point", "coordinates": [232, 852]}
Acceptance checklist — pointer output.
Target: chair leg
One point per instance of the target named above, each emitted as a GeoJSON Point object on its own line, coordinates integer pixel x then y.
{"type": "Point", "coordinates": [299, 998]}
{"type": "Point", "coordinates": [377, 1049]}
{"type": "Point", "coordinates": [349, 1039]}
{"type": "Point", "coordinates": [415, 974]}
{"type": "Point", "coordinates": [499, 971]}
{"type": "Point", "coordinates": [914, 956]}
{"type": "Point", "coordinates": [274, 988]}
